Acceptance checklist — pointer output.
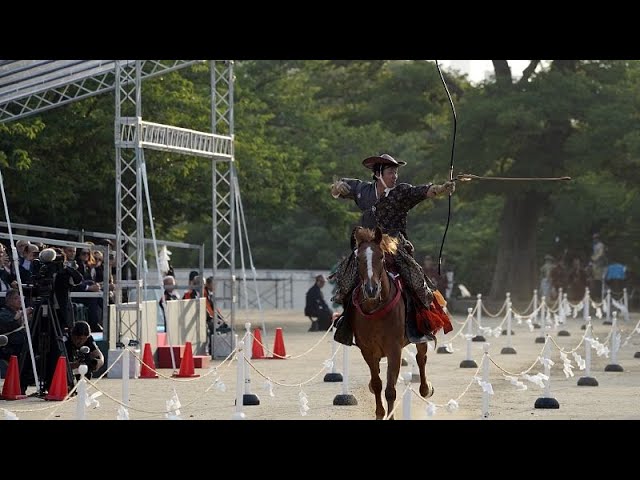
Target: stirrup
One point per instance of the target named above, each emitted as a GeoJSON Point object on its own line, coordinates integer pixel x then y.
{"type": "Point", "coordinates": [343, 333]}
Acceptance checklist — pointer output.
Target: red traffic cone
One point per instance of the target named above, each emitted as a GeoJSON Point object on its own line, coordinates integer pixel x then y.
{"type": "Point", "coordinates": [186, 364]}
{"type": "Point", "coordinates": [59, 388]}
{"type": "Point", "coordinates": [256, 349]}
{"type": "Point", "coordinates": [148, 369]}
{"type": "Point", "coordinates": [11, 388]}
{"type": "Point", "coordinates": [278, 345]}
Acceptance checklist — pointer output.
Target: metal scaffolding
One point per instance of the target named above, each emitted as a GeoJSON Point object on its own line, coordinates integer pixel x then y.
{"type": "Point", "coordinates": [28, 87]}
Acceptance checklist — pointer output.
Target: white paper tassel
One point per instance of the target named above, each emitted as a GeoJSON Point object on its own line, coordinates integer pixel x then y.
{"type": "Point", "coordinates": [580, 361]}
{"type": "Point", "coordinates": [328, 364]}
{"type": "Point", "coordinates": [449, 347]}
{"type": "Point", "coordinates": [546, 362]}
{"type": "Point", "coordinates": [91, 402]}
{"type": "Point", "coordinates": [8, 415]}
{"type": "Point", "coordinates": [268, 386]}
{"type": "Point", "coordinates": [538, 379]}
{"type": "Point", "coordinates": [123, 413]}
{"type": "Point", "coordinates": [515, 382]}
{"type": "Point", "coordinates": [304, 407]}
{"type": "Point", "coordinates": [452, 406]}
{"type": "Point", "coordinates": [431, 409]}
{"type": "Point", "coordinates": [173, 407]}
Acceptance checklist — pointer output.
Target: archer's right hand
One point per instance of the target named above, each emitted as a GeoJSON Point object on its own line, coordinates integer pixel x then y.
{"type": "Point", "coordinates": [340, 188]}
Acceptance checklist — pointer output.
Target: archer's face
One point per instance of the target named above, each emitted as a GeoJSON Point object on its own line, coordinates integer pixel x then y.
{"type": "Point", "coordinates": [390, 176]}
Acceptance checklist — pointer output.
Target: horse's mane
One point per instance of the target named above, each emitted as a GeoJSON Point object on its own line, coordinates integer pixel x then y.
{"type": "Point", "coordinates": [389, 244]}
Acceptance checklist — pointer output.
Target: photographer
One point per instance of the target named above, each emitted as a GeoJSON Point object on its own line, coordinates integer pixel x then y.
{"type": "Point", "coordinates": [82, 349]}
{"type": "Point", "coordinates": [66, 279]}
{"type": "Point", "coordinates": [12, 325]}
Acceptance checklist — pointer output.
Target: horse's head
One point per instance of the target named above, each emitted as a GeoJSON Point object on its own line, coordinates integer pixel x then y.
{"type": "Point", "coordinates": [371, 248]}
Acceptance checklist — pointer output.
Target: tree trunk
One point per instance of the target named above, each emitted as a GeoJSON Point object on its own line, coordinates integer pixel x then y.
{"type": "Point", "coordinates": [516, 268]}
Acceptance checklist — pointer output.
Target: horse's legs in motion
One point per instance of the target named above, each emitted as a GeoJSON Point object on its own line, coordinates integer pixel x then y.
{"type": "Point", "coordinates": [394, 359]}
{"type": "Point", "coordinates": [426, 389]}
{"type": "Point", "coordinates": [375, 384]}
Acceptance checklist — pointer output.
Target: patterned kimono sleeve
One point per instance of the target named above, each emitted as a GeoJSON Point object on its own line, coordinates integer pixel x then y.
{"type": "Point", "coordinates": [413, 195]}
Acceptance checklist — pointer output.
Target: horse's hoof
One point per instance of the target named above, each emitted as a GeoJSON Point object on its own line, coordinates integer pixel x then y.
{"type": "Point", "coordinates": [427, 391]}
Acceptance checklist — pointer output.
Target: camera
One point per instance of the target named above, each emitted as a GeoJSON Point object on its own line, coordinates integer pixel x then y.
{"type": "Point", "coordinates": [45, 267]}
{"type": "Point", "coordinates": [85, 359]}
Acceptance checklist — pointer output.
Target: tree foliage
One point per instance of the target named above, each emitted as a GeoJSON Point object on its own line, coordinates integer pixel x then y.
{"type": "Point", "coordinates": [299, 124]}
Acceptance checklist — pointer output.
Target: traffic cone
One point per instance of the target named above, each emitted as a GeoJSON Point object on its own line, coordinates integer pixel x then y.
{"type": "Point", "coordinates": [59, 388]}
{"type": "Point", "coordinates": [11, 388]}
{"type": "Point", "coordinates": [278, 345]}
{"type": "Point", "coordinates": [256, 350]}
{"type": "Point", "coordinates": [186, 364]}
{"type": "Point", "coordinates": [148, 369]}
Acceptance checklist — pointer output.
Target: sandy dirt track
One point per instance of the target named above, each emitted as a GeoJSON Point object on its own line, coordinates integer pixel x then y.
{"type": "Point", "coordinates": [615, 398]}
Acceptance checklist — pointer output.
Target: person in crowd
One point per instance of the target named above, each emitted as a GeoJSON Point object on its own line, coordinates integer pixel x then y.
{"type": "Point", "coordinates": [195, 282]}
{"type": "Point", "coordinates": [546, 284]}
{"type": "Point", "coordinates": [91, 356]}
{"type": "Point", "coordinates": [597, 267]}
{"type": "Point", "coordinates": [215, 320]}
{"type": "Point", "coordinates": [316, 307]}
{"type": "Point", "coordinates": [12, 326]}
{"type": "Point", "coordinates": [576, 281]}
{"type": "Point", "coordinates": [169, 283]}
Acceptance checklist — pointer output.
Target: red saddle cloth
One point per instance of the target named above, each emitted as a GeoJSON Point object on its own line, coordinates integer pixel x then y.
{"type": "Point", "coordinates": [431, 321]}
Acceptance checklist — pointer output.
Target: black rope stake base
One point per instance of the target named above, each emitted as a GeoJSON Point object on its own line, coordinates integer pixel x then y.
{"type": "Point", "coordinates": [442, 350]}
{"type": "Point", "coordinates": [508, 350]}
{"type": "Point", "coordinates": [563, 333]}
{"type": "Point", "coordinates": [583, 327]}
{"type": "Point", "coordinates": [478, 338]}
{"type": "Point", "coordinates": [536, 326]}
{"type": "Point", "coordinates": [637, 355]}
{"type": "Point", "coordinates": [539, 339]}
{"type": "Point", "coordinates": [345, 399]}
{"type": "Point", "coordinates": [545, 402]}
{"type": "Point", "coordinates": [250, 399]}
{"type": "Point", "coordinates": [607, 322]}
{"type": "Point", "coordinates": [468, 364]}
{"type": "Point", "coordinates": [504, 332]}
{"type": "Point", "coordinates": [587, 382]}
{"type": "Point", "coordinates": [333, 377]}
{"type": "Point", "coordinates": [613, 367]}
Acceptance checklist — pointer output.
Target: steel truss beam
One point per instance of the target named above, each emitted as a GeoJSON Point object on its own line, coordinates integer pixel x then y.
{"type": "Point", "coordinates": [132, 136]}
{"type": "Point", "coordinates": [28, 87]}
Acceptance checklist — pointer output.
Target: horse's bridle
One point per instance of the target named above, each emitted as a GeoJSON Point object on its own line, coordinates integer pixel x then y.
{"type": "Point", "coordinates": [378, 285]}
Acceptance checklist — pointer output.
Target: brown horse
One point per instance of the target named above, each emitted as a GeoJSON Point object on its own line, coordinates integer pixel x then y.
{"type": "Point", "coordinates": [378, 317]}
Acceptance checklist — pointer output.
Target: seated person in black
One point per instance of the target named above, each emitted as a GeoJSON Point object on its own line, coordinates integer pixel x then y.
{"type": "Point", "coordinates": [12, 325]}
{"type": "Point", "coordinates": [91, 356]}
{"type": "Point", "coordinates": [316, 307]}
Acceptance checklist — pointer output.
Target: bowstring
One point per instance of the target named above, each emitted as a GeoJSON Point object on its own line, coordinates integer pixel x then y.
{"type": "Point", "coordinates": [453, 147]}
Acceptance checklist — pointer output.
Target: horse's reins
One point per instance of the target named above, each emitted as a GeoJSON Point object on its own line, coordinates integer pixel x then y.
{"type": "Point", "coordinates": [385, 308]}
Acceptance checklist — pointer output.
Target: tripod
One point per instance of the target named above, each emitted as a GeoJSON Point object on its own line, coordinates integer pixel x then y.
{"type": "Point", "coordinates": [48, 344]}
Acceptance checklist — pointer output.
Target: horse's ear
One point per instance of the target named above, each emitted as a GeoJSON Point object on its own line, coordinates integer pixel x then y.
{"type": "Point", "coordinates": [378, 237]}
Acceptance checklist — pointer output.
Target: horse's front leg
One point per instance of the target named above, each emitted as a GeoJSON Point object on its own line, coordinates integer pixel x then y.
{"type": "Point", "coordinates": [394, 359]}
{"type": "Point", "coordinates": [375, 384]}
{"type": "Point", "coordinates": [426, 389]}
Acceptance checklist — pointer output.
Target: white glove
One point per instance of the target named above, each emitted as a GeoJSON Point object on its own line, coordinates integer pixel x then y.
{"type": "Point", "coordinates": [340, 188]}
